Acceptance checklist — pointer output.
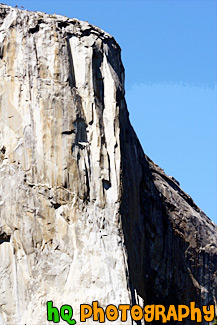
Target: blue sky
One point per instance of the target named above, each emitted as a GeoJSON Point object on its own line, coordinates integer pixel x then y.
{"type": "Point", "coordinates": [169, 52]}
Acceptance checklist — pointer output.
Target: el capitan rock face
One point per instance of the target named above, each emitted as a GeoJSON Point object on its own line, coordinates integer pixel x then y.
{"type": "Point", "coordinates": [84, 214]}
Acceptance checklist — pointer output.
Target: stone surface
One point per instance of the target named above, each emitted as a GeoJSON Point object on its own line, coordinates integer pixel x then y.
{"type": "Point", "coordinates": [84, 214]}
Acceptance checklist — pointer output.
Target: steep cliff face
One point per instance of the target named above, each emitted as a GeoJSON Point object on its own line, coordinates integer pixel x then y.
{"type": "Point", "coordinates": [84, 214]}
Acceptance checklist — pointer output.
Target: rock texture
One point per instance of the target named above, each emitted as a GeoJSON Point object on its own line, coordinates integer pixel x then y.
{"type": "Point", "coordinates": [84, 214]}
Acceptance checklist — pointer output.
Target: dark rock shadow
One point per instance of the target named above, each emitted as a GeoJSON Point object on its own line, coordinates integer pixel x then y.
{"type": "Point", "coordinates": [159, 258]}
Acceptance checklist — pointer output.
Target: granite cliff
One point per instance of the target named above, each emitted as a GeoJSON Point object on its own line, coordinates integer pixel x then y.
{"type": "Point", "coordinates": [84, 214]}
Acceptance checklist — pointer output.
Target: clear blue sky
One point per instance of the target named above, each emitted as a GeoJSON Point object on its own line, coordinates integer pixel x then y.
{"type": "Point", "coordinates": [169, 52]}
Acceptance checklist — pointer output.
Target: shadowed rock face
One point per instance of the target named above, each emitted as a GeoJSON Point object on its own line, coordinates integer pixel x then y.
{"type": "Point", "coordinates": [84, 214]}
{"type": "Point", "coordinates": [171, 243]}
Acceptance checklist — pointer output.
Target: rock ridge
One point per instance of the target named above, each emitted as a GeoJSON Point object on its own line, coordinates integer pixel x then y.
{"type": "Point", "coordinates": [84, 214]}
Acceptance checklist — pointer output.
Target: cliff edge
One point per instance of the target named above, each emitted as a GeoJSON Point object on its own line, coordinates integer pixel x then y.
{"type": "Point", "coordinates": [84, 214]}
